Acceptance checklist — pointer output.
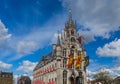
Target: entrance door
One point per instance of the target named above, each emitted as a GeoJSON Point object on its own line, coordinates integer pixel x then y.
{"type": "Point", "coordinates": [71, 80]}
{"type": "Point", "coordinates": [77, 80]}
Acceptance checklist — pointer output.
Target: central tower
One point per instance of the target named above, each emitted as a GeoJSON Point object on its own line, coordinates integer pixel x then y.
{"type": "Point", "coordinates": [74, 59]}
{"type": "Point", "coordinates": [67, 62]}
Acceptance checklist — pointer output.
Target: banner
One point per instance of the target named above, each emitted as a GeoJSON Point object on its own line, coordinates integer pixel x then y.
{"type": "Point", "coordinates": [70, 61]}
{"type": "Point", "coordinates": [78, 61]}
{"type": "Point", "coordinates": [86, 61]}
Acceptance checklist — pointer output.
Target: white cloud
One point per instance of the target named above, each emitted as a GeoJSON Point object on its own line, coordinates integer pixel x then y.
{"type": "Point", "coordinates": [27, 66]}
{"type": "Point", "coordinates": [5, 48]}
{"type": "Point", "coordinates": [3, 33]}
{"type": "Point", "coordinates": [117, 68]}
{"type": "Point", "coordinates": [98, 17]}
{"type": "Point", "coordinates": [26, 47]}
{"type": "Point", "coordinates": [92, 61]}
{"type": "Point", "coordinates": [36, 38]}
{"type": "Point", "coordinates": [55, 38]}
{"type": "Point", "coordinates": [110, 49]}
{"type": "Point", "coordinates": [5, 66]}
{"type": "Point", "coordinates": [90, 73]}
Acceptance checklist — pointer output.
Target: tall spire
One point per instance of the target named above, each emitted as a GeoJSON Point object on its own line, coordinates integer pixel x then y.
{"type": "Point", "coordinates": [70, 12]}
{"type": "Point", "coordinates": [70, 16]}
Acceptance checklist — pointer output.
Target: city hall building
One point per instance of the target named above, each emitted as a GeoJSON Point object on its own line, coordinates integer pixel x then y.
{"type": "Point", "coordinates": [66, 64]}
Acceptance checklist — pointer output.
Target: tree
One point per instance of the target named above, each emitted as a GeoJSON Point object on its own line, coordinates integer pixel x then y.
{"type": "Point", "coordinates": [103, 77]}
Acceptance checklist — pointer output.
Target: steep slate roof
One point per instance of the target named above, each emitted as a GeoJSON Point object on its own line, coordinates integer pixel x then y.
{"type": "Point", "coordinates": [45, 60]}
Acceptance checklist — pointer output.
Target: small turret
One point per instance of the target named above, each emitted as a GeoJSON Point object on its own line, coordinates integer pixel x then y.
{"type": "Point", "coordinates": [58, 51]}
{"type": "Point", "coordinates": [58, 41]}
{"type": "Point", "coordinates": [58, 48]}
{"type": "Point", "coordinates": [43, 59]}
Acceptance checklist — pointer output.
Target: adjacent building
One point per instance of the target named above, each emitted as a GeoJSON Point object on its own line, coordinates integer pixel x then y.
{"type": "Point", "coordinates": [6, 78]}
{"type": "Point", "coordinates": [24, 80]}
{"type": "Point", "coordinates": [66, 64]}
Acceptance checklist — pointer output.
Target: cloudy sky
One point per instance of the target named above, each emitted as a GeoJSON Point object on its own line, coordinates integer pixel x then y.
{"type": "Point", "coordinates": [28, 28]}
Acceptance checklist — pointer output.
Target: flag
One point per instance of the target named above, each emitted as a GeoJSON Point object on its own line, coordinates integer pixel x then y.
{"type": "Point", "coordinates": [86, 61]}
{"type": "Point", "coordinates": [70, 61]}
{"type": "Point", "coordinates": [78, 61]}
{"type": "Point", "coordinates": [80, 40]}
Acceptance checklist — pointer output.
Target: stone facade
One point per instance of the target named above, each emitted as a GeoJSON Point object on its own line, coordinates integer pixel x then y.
{"type": "Point", "coordinates": [6, 78]}
{"type": "Point", "coordinates": [52, 69]}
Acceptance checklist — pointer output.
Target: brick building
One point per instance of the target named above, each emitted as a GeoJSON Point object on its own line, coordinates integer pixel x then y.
{"type": "Point", "coordinates": [6, 78]}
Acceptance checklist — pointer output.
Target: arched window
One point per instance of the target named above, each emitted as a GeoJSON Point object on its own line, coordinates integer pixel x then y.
{"type": "Point", "coordinates": [64, 52]}
{"type": "Point", "coordinates": [64, 60]}
{"type": "Point", "coordinates": [64, 63]}
{"type": "Point", "coordinates": [64, 77]}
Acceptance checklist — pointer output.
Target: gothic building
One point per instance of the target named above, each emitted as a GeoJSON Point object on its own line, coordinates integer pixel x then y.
{"type": "Point", "coordinates": [67, 62]}
{"type": "Point", "coordinates": [6, 78]}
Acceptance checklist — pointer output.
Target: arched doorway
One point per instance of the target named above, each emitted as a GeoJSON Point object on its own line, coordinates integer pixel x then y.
{"type": "Point", "coordinates": [77, 80]}
{"type": "Point", "coordinates": [71, 80]}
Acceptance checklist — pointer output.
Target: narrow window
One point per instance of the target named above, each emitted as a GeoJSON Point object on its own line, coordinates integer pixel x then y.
{"type": "Point", "coordinates": [64, 77]}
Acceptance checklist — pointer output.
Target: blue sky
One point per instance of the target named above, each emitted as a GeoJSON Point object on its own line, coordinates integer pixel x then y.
{"type": "Point", "coordinates": [29, 27]}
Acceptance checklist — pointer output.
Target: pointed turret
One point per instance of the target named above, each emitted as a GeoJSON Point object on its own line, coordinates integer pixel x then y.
{"type": "Point", "coordinates": [58, 41]}
{"type": "Point", "coordinates": [43, 59]}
